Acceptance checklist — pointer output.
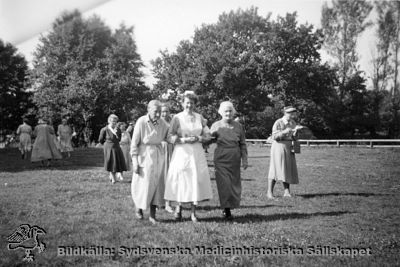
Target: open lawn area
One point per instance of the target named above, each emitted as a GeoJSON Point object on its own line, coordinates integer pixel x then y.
{"type": "Point", "coordinates": [347, 197]}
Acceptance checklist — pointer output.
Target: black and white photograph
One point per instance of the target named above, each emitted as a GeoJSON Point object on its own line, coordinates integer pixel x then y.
{"type": "Point", "coordinates": [199, 133]}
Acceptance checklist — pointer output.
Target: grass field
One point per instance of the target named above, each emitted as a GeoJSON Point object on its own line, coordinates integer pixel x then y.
{"type": "Point", "coordinates": [347, 197]}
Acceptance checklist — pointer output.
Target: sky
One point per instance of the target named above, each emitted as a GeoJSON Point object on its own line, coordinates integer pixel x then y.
{"type": "Point", "coordinates": [158, 24]}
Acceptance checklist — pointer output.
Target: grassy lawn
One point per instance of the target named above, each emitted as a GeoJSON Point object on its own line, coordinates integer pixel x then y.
{"type": "Point", "coordinates": [347, 197]}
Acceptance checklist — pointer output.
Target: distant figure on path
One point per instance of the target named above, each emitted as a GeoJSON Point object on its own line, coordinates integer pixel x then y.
{"type": "Point", "coordinates": [231, 150]}
{"type": "Point", "coordinates": [65, 132]}
{"type": "Point", "coordinates": [283, 161]}
{"type": "Point", "coordinates": [148, 159]}
{"type": "Point", "coordinates": [44, 147]}
{"type": "Point", "coordinates": [25, 142]}
{"type": "Point", "coordinates": [114, 161]}
{"type": "Point", "coordinates": [125, 144]}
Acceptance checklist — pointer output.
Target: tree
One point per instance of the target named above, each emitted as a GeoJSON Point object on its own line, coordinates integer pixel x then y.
{"type": "Point", "coordinates": [258, 64]}
{"type": "Point", "coordinates": [15, 100]}
{"type": "Point", "coordinates": [342, 24]}
{"type": "Point", "coordinates": [84, 70]}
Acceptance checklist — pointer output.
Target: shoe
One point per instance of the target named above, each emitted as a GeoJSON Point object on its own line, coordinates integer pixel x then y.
{"type": "Point", "coordinates": [270, 196]}
{"type": "Point", "coordinates": [153, 220]}
{"type": "Point", "coordinates": [194, 218]}
{"type": "Point", "coordinates": [287, 194]}
{"type": "Point", "coordinates": [121, 178]}
{"type": "Point", "coordinates": [169, 209]}
{"type": "Point", "coordinates": [227, 214]}
{"type": "Point", "coordinates": [139, 214]}
{"type": "Point", "coordinates": [178, 215]}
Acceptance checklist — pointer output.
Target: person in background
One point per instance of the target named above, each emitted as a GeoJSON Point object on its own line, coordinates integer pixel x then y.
{"type": "Point", "coordinates": [125, 144]}
{"type": "Point", "coordinates": [130, 128]}
{"type": "Point", "coordinates": [283, 162]}
{"type": "Point", "coordinates": [114, 161]}
{"type": "Point", "coordinates": [148, 159]}
{"type": "Point", "coordinates": [166, 116]}
{"type": "Point", "coordinates": [65, 132]}
{"type": "Point", "coordinates": [44, 148]}
{"type": "Point", "coordinates": [25, 142]}
{"type": "Point", "coordinates": [188, 179]}
{"type": "Point", "coordinates": [231, 150]}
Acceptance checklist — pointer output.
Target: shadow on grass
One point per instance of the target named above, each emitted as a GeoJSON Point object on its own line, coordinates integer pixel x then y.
{"type": "Point", "coordinates": [250, 218]}
{"type": "Point", "coordinates": [209, 208]}
{"type": "Point", "coordinates": [339, 194]}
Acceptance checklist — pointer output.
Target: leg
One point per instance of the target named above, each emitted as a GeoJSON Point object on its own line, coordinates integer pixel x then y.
{"type": "Point", "coordinates": [287, 190]}
{"type": "Point", "coordinates": [152, 217]}
{"type": "Point", "coordinates": [139, 214]}
{"type": "Point", "coordinates": [112, 177]}
{"type": "Point", "coordinates": [193, 213]}
{"type": "Point", "coordinates": [168, 206]}
{"type": "Point", "coordinates": [178, 212]}
{"type": "Point", "coordinates": [227, 214]}
{"type": "Point", "coordinates": [271, 185]}
{"type": "Point", "coordinates": [119, 174]}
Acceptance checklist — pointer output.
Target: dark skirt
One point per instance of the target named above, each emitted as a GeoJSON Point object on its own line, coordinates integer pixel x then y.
{"type": "Point", "coordinates": [227, 175]}
{"type": "Point", "coordinates": [114, 160]}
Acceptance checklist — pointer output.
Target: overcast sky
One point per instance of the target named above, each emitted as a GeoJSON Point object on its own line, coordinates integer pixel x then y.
{"type": "Point", "coordinates": [158, 24]}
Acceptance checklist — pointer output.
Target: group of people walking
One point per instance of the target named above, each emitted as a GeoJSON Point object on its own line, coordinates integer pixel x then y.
{"type": "Point", "coordinates": [46, 145]}
{"type": "Point", "coordinates": [169, 163]}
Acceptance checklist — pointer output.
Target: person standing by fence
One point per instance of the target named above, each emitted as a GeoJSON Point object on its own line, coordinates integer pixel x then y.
{"type": "Point", "coordinates": [125, 144]}
{"type": "Point", "coordinates": [283, 165]}
{"type": "Point", "coordinates": [25, 142]}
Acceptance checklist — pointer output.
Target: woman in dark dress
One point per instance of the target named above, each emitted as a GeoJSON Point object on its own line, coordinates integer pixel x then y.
{"type": "Point", "coordinates": [114, 161]}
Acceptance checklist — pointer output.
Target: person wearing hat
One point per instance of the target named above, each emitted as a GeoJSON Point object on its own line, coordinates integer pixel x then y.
{"type": "Point", "coordinates": [283, 161]}
{"type": "Point", "coordinates": [44, 147]}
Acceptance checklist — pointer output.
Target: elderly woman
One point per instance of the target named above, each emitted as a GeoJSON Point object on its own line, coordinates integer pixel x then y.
{"type": "Point", "coordinates": [166, 116]}
{"type": "Point", "coordinates": [188, 179]}
{"type": "Point", "coordinates": [114, 161]}
{"type": "Point", "coordinates": [148, 159]}
{"type": "Point", "coordinates": [283, 161]}
{"type": "Point", "coordinates": [231, 150]}
{"type": "Point", "coordinates": [44, 147]}
{"type": "Point", "coordinates": [25, 143]}
{"type": "Point", "coordinates": [64, 132]}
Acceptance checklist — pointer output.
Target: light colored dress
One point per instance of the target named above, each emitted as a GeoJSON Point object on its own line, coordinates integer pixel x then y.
{"type": "Point", "coordinates": [44, 147]}
{"type": "Point", "coordinates": [188, 178]}
{"type": "Point", "coordinates": [25, 142]}
{"type": "Point", "coordinates": [283, 162]}
{"type": "Point", "coordinates": [230, 151]}
{"type": "Point", "coordinates": [65, 134]}
{"type": "Point", "coordinates": [147, 187]}
{"type": "Point", "coordinates": [125, 145]}
{"type": "Point", "coordinates": [168, 149]}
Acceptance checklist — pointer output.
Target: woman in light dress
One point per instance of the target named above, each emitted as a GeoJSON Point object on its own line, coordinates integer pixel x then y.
{"type": "Point", "coordinates": [283, 161]}
{"type": "Point", "coordinates": [44, 147]}
{"type": "Point", "coordinates": [125, 144]}
{"type": "Point", "coordinates": [188, 180]}
{"type": "Point", "coordinates": [148, 159]}
{"type": "Point", "coordinates": [231, 150]}
{"type": "Point", "coordinates": [65, 132]}
{"type": "Point", "coordinates": [25, 142]}
{"type": "Point", "coordinates": [114, 161]}
{"type": "Point", "coordinates": [166, 116]}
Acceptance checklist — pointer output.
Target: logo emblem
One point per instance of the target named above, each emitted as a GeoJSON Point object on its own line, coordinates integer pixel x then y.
{"type": "Point", "coordinates": [26, 237]}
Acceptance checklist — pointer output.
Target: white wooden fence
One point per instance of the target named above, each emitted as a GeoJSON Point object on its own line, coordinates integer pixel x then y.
{"type": "Point", "coordinates": [371, 143]}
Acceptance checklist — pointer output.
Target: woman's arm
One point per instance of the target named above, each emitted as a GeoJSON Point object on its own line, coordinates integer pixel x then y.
{"type": "Point", "coordinates": [172, 135]}
{"type": "Point", "coordinates": [243, 147]}
{"type": "Point", "coordinates": [102, 136]}
{"type": "Point", "coordinates": [278, 133]}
